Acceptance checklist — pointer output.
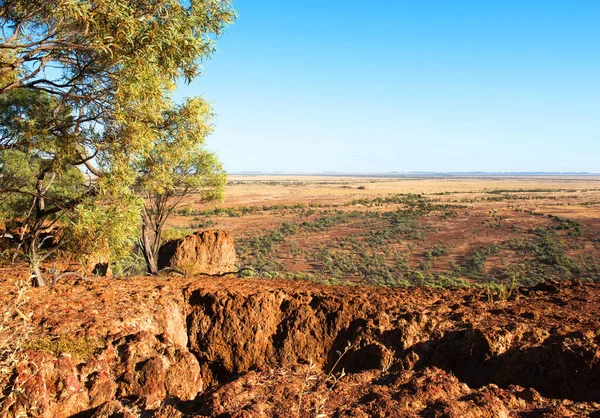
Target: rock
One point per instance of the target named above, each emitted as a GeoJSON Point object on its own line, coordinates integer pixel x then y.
{"type": "Point", "coordinates": [113, 409]}
{"type": "Point", "coordinates": [203, 252]}
{"type": "Point", "coordinates": [102, 388]}
{"type": "Point", "coordinates": [30, 391]}
{"type": "Point", "coordinates": [151, 377]}
{"type": "Point", "coordinates": [167, 411]}
{"type": "Point", "coordinates": [47, 387]}
{"type": "Point", "coordinates": [183, 379]}
{"type": "Point", "coordinates": [529, 395]}
{"type": "Point", "coordinates": [152, 370]}
{"type": "Point", "coordinates": [102, 269]}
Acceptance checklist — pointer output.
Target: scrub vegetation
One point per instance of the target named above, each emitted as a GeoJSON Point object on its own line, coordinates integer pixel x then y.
{"type": "Point", "coordinates": [443, 238]}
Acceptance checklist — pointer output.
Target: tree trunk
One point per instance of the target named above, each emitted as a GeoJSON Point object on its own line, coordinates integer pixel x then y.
{"type": "Point", "coordinates": [38, 279]}
{"type": "Point", "coordinates": [33, 244]}
{"type": "Point", "coordinates": [34, 263]}
{"type": "Point", "coordinates": [150, 251]}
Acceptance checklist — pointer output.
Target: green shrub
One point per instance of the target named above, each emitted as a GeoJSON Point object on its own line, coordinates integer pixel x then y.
{"type": "Point", "coordinates": [176, 232]}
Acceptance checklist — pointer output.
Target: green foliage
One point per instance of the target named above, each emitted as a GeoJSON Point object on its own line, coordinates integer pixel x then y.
{"type": "Point", "coordinates": [438, 250]}
{"type": "Point", "coordinates": [365, 255]}
{"type": "Point", "coordinates": [105, 106]}
{"type": "Point", "coordinates": [548, 250]}
{"type": "Point", "coordinates": [133, 264]}
{"type": "Point", "coordinates": [204, 224]}
{"type": "Point", "coordinates": [114, 61]}
{"type": "Point", "coordinates": [299, 208]}
{"type": "Point", "coordinates": [105, 230]}
{"type": "Point", "coordinates": [176, 232]}
{"type": "Point", "coordinates": [19, 172]}
{"type": "Point", "coordinates": [257, 252]}
{"type": "Point", "coordinates": [39, 182]}
{"type": "Point", "coordinates": [444, 280]}
{"type": "Point", "coordinates": [177, 166]}
{"type": "Point", "coordinates": [378, 245]}
{"type": "Point", "coordinates": [474, 265]}
{"type": "Point", "coordinates": [574, 228]}
{"type": "Point", "coordinates": [500, 291]}
{"type": "Point", "coordinates": [325, 222]}
{"type": "Point", "coordinates": [178, 160]}
{"type": "Point", "coordinates": [41, 189]}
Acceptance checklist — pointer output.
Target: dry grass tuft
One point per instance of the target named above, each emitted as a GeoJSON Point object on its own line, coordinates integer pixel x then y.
{"type": "Point", "coordinates": [15, 330]}
{"type": "Point", "coordinates": [82, 347]}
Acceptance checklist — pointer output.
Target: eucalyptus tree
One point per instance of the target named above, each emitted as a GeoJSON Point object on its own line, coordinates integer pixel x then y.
{"type": "Point", "coordinates": [106, 69]}
{"type": "Point", "coordinates": [179, 167]}
{"type": "Point", "coordinates": [110, 61]}
{"type": "Point", "coordinates": [39, 181]}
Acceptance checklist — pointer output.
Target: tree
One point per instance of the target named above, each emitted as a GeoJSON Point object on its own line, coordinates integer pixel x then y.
{"type": "Point", "coordinates": [33, 198]}
{"type": "Point", "coordinates": [110, 61]}
{"type": "Point", "coordinates": [103, 70]}
{"type": "Point", "coordinates": [178, 166]}
{"type": "Point", "coordinates": [38, 180]}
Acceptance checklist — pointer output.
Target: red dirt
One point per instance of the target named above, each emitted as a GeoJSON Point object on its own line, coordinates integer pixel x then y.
{"type": "Point", "coordinates": [251, 348]}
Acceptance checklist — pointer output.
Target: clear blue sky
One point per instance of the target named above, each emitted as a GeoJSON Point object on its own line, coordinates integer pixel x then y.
{"type": "Point", "coordinates": [398, 85]}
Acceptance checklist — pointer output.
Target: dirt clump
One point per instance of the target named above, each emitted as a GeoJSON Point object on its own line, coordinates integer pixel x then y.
{"type": "Point", "coordinates": [203, 252]}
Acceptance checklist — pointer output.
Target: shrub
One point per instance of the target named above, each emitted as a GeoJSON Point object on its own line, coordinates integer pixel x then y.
{"type": "Point", "coordinates": [176, 232]}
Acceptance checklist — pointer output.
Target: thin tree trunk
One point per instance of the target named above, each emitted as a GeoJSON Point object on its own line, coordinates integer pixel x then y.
{"type": "Point", "coordinates": [150, 253]}
{"type": "Point", "coordinates": [34, 263]}
{"type": "Point", "coordinates": [37, 276]}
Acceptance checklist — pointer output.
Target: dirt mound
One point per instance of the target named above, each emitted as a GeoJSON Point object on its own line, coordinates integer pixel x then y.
{"type": "Point", "coordinates": [252, 348]}
{"type": "Point", "coordinates": [203, 252]}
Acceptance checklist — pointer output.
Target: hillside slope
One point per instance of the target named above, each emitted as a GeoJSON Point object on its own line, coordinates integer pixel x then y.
{"type": "Point", "coordinates": [231, 347]}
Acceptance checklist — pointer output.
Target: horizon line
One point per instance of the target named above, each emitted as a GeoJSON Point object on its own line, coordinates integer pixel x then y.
{"type": "Point", "coordinates": [418, 173]}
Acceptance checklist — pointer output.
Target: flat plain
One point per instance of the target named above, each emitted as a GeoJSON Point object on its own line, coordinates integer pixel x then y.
{"type": "Point", "coordinates": [443, 231]}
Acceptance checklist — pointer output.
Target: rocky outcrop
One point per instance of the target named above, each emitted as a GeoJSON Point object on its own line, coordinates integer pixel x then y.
{"type": "Point", "coordinates": [460, 332]}
{"type": "Point", "coordinates": [139, 366]}
{"type": "Point", "coordinates": [228, 347]}
{"type": "Point", "coordinates": [204, 252]}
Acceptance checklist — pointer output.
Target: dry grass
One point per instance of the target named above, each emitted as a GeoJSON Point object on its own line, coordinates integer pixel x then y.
{"type": "Point", "coordinates": [82, 347]}
{"type": "Point", "coordinates": [289, 190]}
{"type": "Point", "coordinates": [15, 330]}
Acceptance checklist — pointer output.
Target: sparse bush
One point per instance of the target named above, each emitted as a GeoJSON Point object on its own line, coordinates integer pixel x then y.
{"type": "Point", "coordinates": [176, 232]}
{"type": "Point", "coordinates": [207, 223]}
{"type": "Point", "coordinates": [474, 265]}
{"type": "Point", "coordinates": [438, 250]}
{"type": "Point", "coordinates": [445, 281]}
{"type": "Point", "coordinates": [133, 264]}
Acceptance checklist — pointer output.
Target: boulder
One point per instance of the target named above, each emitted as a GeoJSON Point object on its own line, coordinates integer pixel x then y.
{"type": "Point", "coordinates": [203, 252]}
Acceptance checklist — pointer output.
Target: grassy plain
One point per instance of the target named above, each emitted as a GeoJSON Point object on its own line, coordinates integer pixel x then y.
{"type": "Point", "coordinates": [449, 231]}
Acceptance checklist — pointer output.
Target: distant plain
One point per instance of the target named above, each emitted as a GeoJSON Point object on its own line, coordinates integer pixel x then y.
{"type": "Point", "coordinates": [449, 231]}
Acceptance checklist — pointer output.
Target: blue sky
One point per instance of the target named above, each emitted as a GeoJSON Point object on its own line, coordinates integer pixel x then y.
{"type": "Point", "coordinates": [420, 85]}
